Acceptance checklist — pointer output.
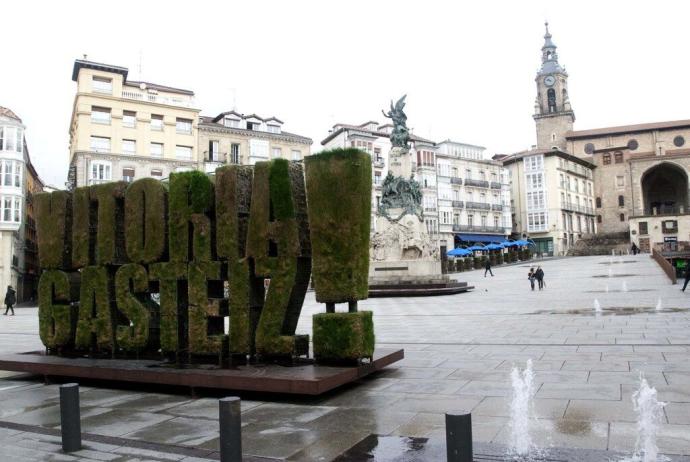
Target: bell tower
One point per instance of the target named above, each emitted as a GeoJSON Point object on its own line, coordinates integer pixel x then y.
{"type": "Point", "coordinates": [553, 114]}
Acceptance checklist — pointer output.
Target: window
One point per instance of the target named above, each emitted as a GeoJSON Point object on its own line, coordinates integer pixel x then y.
{"type": "Point", "coordinates": [183, 126]}
{"type": "Point", "coordinates": [11, 209]}
{"type": "Point", "coordinates": [643, 228]}
{"type": "Point", "coordinates": [633, 144]}
{"type": "Point", "coordinates": [183, 152]}
{"type": "Point", "coordinates": [7, 169]}
{"type": "Point", "coordinates": [102, 85]}
{"type": "Point", "coordinates": [100, 144]}
{"type": "Point", "coordinates": [234, 153]}
{"type": "Point", "coordinates": [445, 218]}
{"type": "Point", "coordinates": [129, 119]}
{"type": "Point", "coordinates": [231, 123]}
{"type": "Point", "coordinates": [497, 221]}
{"type": "Point", "coordinates": [100, 115]}
{"type": "Point", "coordinates": [128, 174]}
{"type": "Point", "coordinates": [13, 139]}
{"type": "Point", "coordinates": [377, 178]}
{"type": "Point", "coordinates": [129, 146]}
{"type": "Point", "coordinates": [535, 180]}
{"type": "Point", "coordinates": [156, 122]}
{"type": "Point", "coordinates": [598, 201]}
{"type": "Point", "coordinates": [100, 172]}
{"type": "Point", "coordinates": [620, 181]}
{"type": "Point", "coordinates": [589, 148]}
{"type": "Point", "coordinates": [470, 220]}
{"type": "Point", "coordinates": [214, 151]}
{"type": "Point", "coordinates": [678, 141]}
{"type": "Point", "coordinates": [621, 201]}
{"type": "Point", "coordinates": [598, 218]}
{"type": "Point", "coordinates": [534, 162]}
{"type": "Point", "coordinates": [296, 154]}
{"type": "Point", "coordinates": [622, 217]}
{"type": "Point", "coordinates": [606, 158]}
{"type": "Point", "coordinates": [468, 174]}
{"type": "Point", "coordinates": [156, 149]}
{"type": "Point", "coordinates": [537, 221]}
{"type": "Point", "coordinates": [156, 172]}
{"type": "Point", "coordinates": [483, 220]}
{"type": "Point", "coordinates": [618, 157]}
{"type": "Point", "coordinates": [273, 129]}
{"type": "Point", "coordinates": [277, 153]}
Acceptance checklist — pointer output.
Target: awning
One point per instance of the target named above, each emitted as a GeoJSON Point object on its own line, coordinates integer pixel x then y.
{"type": "Point", "coordinates": [481, 238]}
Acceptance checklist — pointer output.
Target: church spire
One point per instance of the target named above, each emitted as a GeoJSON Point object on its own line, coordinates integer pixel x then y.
{"type": "Point", "coordinates": [549, 56]}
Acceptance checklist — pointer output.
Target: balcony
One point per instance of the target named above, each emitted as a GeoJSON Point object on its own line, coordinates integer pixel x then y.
{"type": "Point", "coordinates": [479, 183]}
{"type": "Point", "coordinates": [585, 209]}
{"type": "Point", "coordinates": [495, 185]}
{"type": "Point", "coordinates": [458, 204]}
{"type": "Point", "coordinates": [477, 206]}
{"type": "Point", "coordinates": [430, 209]}
{"type": "Point", "coordinates": [455, 180]}
{"type": "Point", "coordinates": [379, 162]}
{"type": "Point", "coordinates": [496, 207]}
{"type": "Point", "coordinates": [158, 99]}
{"type": "Point", "coordinates": [478, 228]}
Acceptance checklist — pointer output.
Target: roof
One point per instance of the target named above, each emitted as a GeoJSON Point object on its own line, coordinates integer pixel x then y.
{"type": "Point", "coordinates": [155, 86]}
{"type": "Point", "coordinates": [6, 112]}
{"type": "Point", "coordinates": [622, 129]}
{"type": "Point", "coordinates": [274, 118]}
{"type": "Point", "coordinates": [253, 116]}
{"type": "Point", "coordinates": [84, 64]}
{"type": "Point", "coordinates": [512, 158]}
{"type": "Point", "coordinates": [214, 123]}
{"type": "Point", "coordinates": [449, 141]}
{"type": "Point", "coordinates": [222, 115]}
{"type": "Point", "coordinates": [359, 128]}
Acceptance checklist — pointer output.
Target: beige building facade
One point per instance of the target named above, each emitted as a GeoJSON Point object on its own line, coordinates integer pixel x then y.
{"type": "Point", "coordinates": [234, 138]}
{"type": "Point", "coordinates": [125, 130]}
{"type": "Point", "coordinates": [552, 198]}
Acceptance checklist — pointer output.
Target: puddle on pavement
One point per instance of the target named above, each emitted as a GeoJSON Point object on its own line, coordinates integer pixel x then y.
{"type": "Point", "coordinates": [616, 262]}
{"type": "Point", "coordinates": [610, 291]}
{"type": "Point", "coordinates": [614, 311]}
{"type": "Point", "coordinates": [614, 275]}
{"type": "Point", "coordinates": [384, 448]}
{"type": "Point", "coordinates": [575, 424]}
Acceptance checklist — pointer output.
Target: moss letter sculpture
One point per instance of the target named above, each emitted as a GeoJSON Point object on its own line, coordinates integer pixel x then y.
{"type": "Point", "coordinates": [339, 197]}
{"type": "Point", "coordinates": [55, 321]}
{"type": "Point", "coordinates": [170, 276]}
{"type": "Point", "coordinates": [145, 220]}
{"type": "Point", "coordinates": [95, 315]}
{"type": "Point", "coordinates": [52, 218]}
{"type": "Point", "coordinates": [343, 336]}
{"type": "Point", "coordinates": [129, 280]}
{"type": "Point", "coordinates": [191, 200]}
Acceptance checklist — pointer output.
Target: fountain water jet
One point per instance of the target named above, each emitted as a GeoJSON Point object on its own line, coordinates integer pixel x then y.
{"type": "Point", "coordinates": [597, 306]}
{"type": "Point", "coordinates": [521, 410]}
{"type": "Point", "coordinates": [624, 288]}
{"type": "Point", "coordinates": [658, 304]}
{"type": "Point", "coordinates": [650, 415]}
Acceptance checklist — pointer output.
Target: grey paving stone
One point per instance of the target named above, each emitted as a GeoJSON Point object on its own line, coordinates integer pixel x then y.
{"type": "Point", "coordinates": [582, 391]}
{"type": "Point", "coordinates": [671, 439]}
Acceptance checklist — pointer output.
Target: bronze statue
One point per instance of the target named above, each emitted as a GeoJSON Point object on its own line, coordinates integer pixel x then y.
{"type": "Point", "coordinates": [400, 134]}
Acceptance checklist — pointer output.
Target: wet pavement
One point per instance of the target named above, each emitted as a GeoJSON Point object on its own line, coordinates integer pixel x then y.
{"type": "Point", "coordinates": [458, 354]}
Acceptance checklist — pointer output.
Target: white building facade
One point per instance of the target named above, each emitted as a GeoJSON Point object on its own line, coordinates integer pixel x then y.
{"type": "Point", "coordinates": [12, 196]}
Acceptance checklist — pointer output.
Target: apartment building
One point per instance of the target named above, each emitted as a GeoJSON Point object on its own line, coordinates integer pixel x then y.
{"type": "Point", "coordinates": [235, 138]}
{"type": "Point", "coordinates": [18, 183]}
{"type": "Point", "coordinates": [473, 195]}
{"type": "Point", "coordinates": [124, 130]}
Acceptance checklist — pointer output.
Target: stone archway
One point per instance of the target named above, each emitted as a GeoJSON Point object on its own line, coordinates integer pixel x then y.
{"type": "Point", "coordinates": [665, 189]}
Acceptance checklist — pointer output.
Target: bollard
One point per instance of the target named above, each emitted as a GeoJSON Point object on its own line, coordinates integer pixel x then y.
{"type": "Point", "coordinates": [230, 429]}
{"type": "Point", "coordinates": [459, 437]}
{"type": "Point", "coordinates": [69, 417]}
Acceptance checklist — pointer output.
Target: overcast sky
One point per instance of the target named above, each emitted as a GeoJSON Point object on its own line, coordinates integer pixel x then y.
{"type": "Point", "coordinates": [468, 67]}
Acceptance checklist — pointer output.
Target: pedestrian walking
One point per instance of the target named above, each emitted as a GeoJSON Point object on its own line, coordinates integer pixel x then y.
{"type": "Point", "coordinates": [487, 267]}
{"type": "Point", "coordinates": [634, 249]}
{"type": "Point", "coordinates": [10, 300]}
{"type": "Point", "coordinates": [687, 275]}
{"type": "Point", "coordinates": [539, 275]}
{"type": "Point", "coordinates": [531, 277]}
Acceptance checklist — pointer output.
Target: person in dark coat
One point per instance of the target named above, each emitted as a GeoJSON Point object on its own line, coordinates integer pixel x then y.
{"type": "Point", "coordinates": [487, 267]}
{"type": "Point", "coordinates": [10, 299]}
{"type": "Point", "coordinates": [634, 249]}
{"type": "Point", "coordinates": [539, 275]}
{"type": "Point", "coordinates": [531, 277]}
{"type": "Point", "coordinates": [687, 275]}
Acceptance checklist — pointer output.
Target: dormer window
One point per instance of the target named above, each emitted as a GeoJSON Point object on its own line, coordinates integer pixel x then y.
{"type": "Point", "coordinates": [273, 128]}
{"type": "Point", "coordinates": [256, 126]}
{"type": "Point", "coordinates": [231, 123]}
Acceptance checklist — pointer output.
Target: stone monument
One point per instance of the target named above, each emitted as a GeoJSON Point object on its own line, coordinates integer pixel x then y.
{"type": "Point", "coordinates": [403, 258]}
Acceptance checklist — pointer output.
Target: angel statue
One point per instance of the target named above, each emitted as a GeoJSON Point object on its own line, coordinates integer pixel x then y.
{"type": "Point", "coordinates": [400, 134]}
